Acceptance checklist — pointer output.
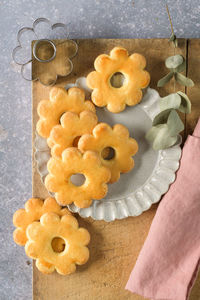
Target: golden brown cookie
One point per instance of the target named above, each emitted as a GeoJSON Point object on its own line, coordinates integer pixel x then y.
{"type": "Point", "coordinates": [135, 79]}
{"type": "Point", "coordinates": [72, 127]}
{"type": "Point", "coordinates": [74, 162]}
{"type": "Point", "coordinates": [61, 101]}
{"type": "Point", "coordinates": [34, 209]}
{"type": "Point", "coordinates": [116, 138]}
{"type": "Point", "coordinates": [39, 245]}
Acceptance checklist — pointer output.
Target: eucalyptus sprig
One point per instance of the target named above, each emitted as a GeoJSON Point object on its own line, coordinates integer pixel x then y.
{"type": "Point", "coordinates": [167, 124]}
{"type": "Point", "coordinates": [166, 127]}
{"type": "Point", "coordinates": [175, 64]}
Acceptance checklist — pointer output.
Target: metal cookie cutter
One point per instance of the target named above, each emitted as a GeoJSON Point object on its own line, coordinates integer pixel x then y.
{"type": "Point", "coordinates": [47, 43]}
{"type": "Point", "coordinates": [44, 52]}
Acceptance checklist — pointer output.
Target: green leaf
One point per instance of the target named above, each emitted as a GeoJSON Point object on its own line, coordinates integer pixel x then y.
{"type": "Point", "coordinates": [180, 78]}
{"type": "Point", "coordinates": [185, 106]}
{"type": "Point", "coordinates": [165, 79]}
{"type": "Point", "coordinates": [162, 117]}
{"type": "Point", "coordinates": [172, 37]}
{"type": "Point", "coordinates": [174, 123]}
{"type": "Point", "coordinates": [171, 101]}
{"type": "Point", "coordinates": [163, 139]}
{"type": "Point", "coordinates": [173, 62]}
{"type": "Point", "coordinates": [152, 133]}
{"type": "Point", "coordinates": [181, 68]}
{"type": "Point", "coordinates": [159, 137]}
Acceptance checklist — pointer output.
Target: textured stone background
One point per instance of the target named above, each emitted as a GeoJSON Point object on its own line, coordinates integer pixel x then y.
{"type": "Point", "coordinates": [87, 18]}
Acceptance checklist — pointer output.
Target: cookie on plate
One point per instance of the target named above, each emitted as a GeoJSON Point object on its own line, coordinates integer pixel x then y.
{"type": "Point", "coordinates": [61, 101]}
{"type": "Point", "coordinates": [118, 141]}
{"type": "Point", "coordinates": [69, 131]}
{"type": "Point", "coordinates": [71, 163]}
{"type": "Point", "coordinates": [131, 68]}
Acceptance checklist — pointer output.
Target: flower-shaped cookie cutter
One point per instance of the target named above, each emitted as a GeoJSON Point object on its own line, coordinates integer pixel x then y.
{"type": "Point", "coordinates": [45, 62]}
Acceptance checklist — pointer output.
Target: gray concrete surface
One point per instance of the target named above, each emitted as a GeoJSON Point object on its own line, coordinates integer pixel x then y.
{"type": "Point", "coordinates": [88, 19]}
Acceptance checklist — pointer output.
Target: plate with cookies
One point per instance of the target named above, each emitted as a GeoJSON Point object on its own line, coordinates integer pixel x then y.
{"type": "Point", "coordinates": [91, 150]}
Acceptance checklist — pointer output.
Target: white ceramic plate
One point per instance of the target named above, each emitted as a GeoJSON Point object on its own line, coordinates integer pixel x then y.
{"type": "Point", "coordinates": [154, 171]}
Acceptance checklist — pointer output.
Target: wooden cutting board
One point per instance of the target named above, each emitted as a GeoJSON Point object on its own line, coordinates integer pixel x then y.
{"type": "Point", "coordinates": [114, 246]}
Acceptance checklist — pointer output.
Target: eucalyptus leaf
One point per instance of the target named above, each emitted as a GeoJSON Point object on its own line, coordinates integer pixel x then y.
{"type": "Point", "coordinates": [165, 79]}
{"type": "Point", "coordinates": [162, 117]}
{"type": "Point", "coordinates": [174, 61]}
{"type": "Point", "coordinates": [180, 78]}
{"type": "Point", "coordinates": [160, 138]}
{"type": "Point", "coordinates": [152, 133]}
{"type": "Point", "coordinates": [172, 37]}
{"type": "Point", "coordinates": [163, 139]}
{"type": "Point", "coordinates": [185, 106]}
{"type": "Point", "coordinates": [170, 101]}
{"type": "Point", "coordinates": [181, 68]}
{"type": "Point", "coordinates": [174, 123]}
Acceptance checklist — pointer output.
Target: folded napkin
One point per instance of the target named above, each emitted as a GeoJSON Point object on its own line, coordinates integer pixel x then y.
{"type": "Point", "coordinates": [168, 262]}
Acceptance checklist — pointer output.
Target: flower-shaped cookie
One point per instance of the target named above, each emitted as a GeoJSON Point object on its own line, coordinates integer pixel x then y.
{"type": "Point", "coordinates": [34, 209]}
{"type": "Point", "coordinates": [74, 162]}
{"type": "Point", "coordinates": [118, 140]}
{"type": "Point", "coordinates": [61, 101]}
{"type": "Point", "coordinates": [39, 245]}
{"type": "Point", "coordinates": [72, 127]}
{"type": "Point", "coordinates": [131, 67]}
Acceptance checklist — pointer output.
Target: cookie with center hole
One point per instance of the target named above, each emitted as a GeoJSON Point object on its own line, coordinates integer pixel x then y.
{"type": "Point", "coordinates": [60, 101]}
{"type": "Point", "coordinates": [34, 209]}
{"type": "Point", "coordinates": [73, 162]}
{"type": "Point", "coordinates": [39, 245]}
{"type": "Point", "coordinates": [117, 140]}
{"type": "Point", "coordinates": [118, 79]}
{"type": "Point", "coordinates": [72, 127]}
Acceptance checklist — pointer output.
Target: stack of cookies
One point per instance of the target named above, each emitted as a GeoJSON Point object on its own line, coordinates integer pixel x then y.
{"type": "Point", "coordinates": [80, 145]}
{"type": "Point", "coordinates": [51, 235]}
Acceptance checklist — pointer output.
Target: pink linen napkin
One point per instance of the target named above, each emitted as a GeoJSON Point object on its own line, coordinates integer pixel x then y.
{"type": "Point", "coordinates": [168, 262]}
